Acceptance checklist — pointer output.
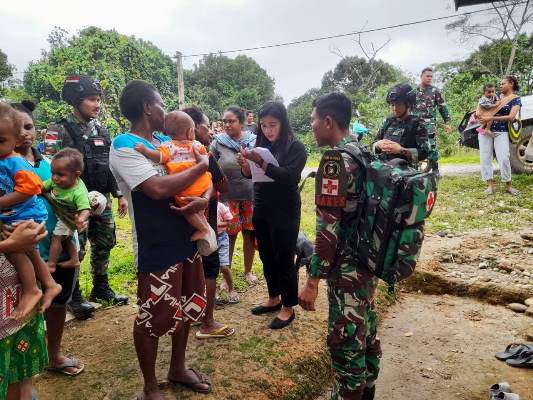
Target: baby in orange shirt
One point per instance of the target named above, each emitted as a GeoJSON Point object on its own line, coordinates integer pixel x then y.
{"type": "Point", "coordinates": [177, 155]}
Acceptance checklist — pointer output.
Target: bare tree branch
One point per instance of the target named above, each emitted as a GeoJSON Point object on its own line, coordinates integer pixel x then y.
{"type": "Point", "coordinates": [507, 20]}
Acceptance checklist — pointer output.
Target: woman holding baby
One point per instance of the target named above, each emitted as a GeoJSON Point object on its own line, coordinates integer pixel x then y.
{"type": "Point", "coordinates": [495, 139]}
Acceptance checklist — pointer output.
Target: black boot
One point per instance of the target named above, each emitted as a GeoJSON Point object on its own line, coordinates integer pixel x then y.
{"type": "Point", "coordinates": [369, 393]}
{"type": "Point", "coordinates": [102, 292]}
{"type": "Point", "coordinates": [78, 306]}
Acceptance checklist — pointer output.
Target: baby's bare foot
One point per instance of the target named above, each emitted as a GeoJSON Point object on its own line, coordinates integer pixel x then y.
{"type": "Point", "coordinates": [28, 301]}
{"type": "Point", "coordinates": [49, 294]}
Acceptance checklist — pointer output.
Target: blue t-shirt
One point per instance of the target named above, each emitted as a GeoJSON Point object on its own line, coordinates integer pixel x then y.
{"type": "Point", "coordinates": [161, 237]}
{"type": "Point", "coordinates": [502, 126]}
{"type": "Point", "coordinates": [17, 175]}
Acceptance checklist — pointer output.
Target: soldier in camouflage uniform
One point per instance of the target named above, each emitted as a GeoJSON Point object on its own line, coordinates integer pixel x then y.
{"type": "Point", "coordinates": [429, 100]}
{"type": "Point", "coordinates": [354, 347]}
{"type": "Point", "coordinates": [402, 135]}
{"type": "Point", "coordinates": [81, 130]}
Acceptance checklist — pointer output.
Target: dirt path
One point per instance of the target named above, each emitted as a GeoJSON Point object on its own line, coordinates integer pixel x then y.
{"type": "Point", "coordinates": [450, 354]}
{"type": "Point", "coordinates": [256, 363]}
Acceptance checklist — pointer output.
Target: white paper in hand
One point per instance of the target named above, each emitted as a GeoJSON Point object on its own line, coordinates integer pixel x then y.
{"type": "Point", "coordinates": [258, 175]}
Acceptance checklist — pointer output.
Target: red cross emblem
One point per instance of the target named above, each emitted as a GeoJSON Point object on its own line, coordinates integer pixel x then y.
{"type": "Point", "coordinates": [22, 346]}
{"type": "Point", "coordinates": [331, 187]}
{"type": "Point", "coordinates": [430, 202]}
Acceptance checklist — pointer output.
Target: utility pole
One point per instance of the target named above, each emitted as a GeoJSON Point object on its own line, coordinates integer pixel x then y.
{"type": "Point", "coordinates": [179, 78]}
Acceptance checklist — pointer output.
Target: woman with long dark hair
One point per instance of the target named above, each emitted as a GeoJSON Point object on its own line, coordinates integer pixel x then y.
{"type": "Point", "coordinates": [498, 140]}
{"type": "Point", "coordinates": [276, 217]}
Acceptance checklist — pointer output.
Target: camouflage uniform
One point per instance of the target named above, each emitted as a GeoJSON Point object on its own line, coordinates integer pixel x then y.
{"type": "Point", "coordinates": [429, 100]}
{"type": "Point", "coordinates": [101, 231]}
{"type": "Point", "coordinates": [410, 133]}
{"type": "Point", "coordinates": [354, 347]}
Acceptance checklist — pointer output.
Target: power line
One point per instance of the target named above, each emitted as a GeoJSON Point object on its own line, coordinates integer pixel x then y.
{"type": "Point", "coordinates": [383, 28]}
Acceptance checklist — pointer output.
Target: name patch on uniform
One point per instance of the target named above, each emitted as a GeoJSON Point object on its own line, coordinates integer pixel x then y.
{"type": "Point", "coordinates": [331, 181]}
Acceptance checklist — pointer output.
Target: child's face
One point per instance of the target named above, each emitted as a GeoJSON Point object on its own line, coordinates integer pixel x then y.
{"type": "Point", "coordinates": [63, 174]}
{"type": "Point", "coordinates": [490, 92]}
{"type": "Point", "coordinates": [9, 136]}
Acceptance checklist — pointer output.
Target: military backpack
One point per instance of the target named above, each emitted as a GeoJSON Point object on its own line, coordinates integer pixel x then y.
{"type": "Point", "coordinates": [394, 203]}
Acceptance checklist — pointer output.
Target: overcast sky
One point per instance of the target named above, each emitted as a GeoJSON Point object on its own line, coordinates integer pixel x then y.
{"type": "Point", "coordinates": [197, 26]}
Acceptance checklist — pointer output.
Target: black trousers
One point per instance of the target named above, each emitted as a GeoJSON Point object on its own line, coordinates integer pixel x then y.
{"type": "Point", "coordinates": [276, 242]}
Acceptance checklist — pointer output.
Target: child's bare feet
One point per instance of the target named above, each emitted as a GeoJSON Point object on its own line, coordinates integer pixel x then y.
{"type": "Point", "coordinates": [199, 234]}
{"type": "Point", "coordinates": [28, 301]}
{"type": "Point", "coordinates": [49, 294]}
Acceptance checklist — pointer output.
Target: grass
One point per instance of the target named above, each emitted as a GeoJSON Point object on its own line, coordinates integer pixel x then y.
{"type": "Point", "coordinates": [462, 205]}
{"type": "Point", "coordinates": [462, 156]}
{"type": "Point", "coordinates": [260, 349]}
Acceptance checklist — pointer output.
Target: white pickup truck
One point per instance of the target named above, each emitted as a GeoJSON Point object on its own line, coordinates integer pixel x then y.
{"type": "Point", "coordinates": [522, 152]}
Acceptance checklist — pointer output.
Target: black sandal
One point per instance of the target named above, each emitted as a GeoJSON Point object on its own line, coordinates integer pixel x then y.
{"type": "Point", "coordinates": [525, 360]}
{"type": "Point", "coordinates": [265, 310]}
{"type": "Point", "coordinates": [514, 350]}
{"type": "Point", "coordinates": [198, 386]}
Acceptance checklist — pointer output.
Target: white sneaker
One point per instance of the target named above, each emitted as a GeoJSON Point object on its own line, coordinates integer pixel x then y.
{"type": "Point", "coordinates": [497, 388]}
{"type": "Point", "coordinates": [506, 396]}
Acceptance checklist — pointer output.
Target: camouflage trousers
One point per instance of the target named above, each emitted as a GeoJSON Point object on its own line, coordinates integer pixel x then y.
{"type": "Point", "coordinates": [101, 235]}
{"type": "Point", "coordinates": [352, 341]}
{"type": "Point", "coordinates": [434, 153]}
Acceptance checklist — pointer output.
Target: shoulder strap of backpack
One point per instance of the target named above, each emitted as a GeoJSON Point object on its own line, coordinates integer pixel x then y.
{"type": "Point", "coordinates": [74, 135]}
{"type": "Point", "coordinates": [386, 124]}
{"type": "Point", "coordinates": [362, 156]}
{"type": "Point", "coordinates": [311, 174]}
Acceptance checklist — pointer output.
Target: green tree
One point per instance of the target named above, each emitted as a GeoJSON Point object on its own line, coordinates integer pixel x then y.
{"type": "Point", "coordinates": [491, 59]}
{"type": "Point", "coordinates": [358, 76]}
{"type": "Point", "coordinates": [507, 21]}
{"type": "Point", "coordinates": [218, 81]}
{"type": "Point", "coordinates": [299, 111]}
{"type": "Point", "coordinates": [112, 58]}
{"type": "Point", "coordinates": [363, 80]}
{"type": "Point", "coordinates": [6, 70]}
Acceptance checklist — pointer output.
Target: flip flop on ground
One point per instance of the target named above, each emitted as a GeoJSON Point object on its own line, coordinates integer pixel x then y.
{"type": "Point", "coordinates": [198, 386]}
{"type": "Point", "coordinates": [63, 368]}
{"type": "Point", "coordinates": [222, 332]}
{"type": "Point", "coordinates": [234, 298]}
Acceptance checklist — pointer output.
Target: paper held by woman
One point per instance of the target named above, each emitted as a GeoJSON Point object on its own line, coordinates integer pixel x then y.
{"type": "Point", "coordinates": [258, 175]}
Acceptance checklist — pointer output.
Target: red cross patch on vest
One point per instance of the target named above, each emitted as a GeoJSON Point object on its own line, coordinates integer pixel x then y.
{"type": "Point", "coordinates": [331, 181]}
